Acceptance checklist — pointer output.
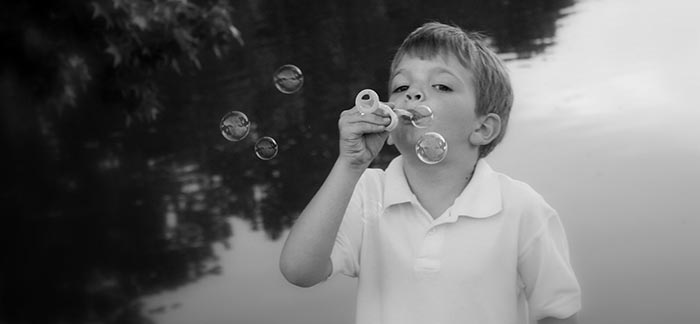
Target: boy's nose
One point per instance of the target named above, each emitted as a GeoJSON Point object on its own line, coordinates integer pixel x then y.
{"type": "Point", "coordinates": [414, 95]}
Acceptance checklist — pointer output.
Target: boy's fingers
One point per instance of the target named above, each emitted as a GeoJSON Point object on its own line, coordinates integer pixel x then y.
{"type": "Point", "coordinates": [375, 119]}
{"type": "Point", "coordinates": [352, 117]}
{"type": "Point", "coordinates": [365, 128]}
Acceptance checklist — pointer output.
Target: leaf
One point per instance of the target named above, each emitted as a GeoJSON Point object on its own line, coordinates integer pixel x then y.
{"type": "Point", "coordinates": [153, 113]}
{"type": "Point", "coordinates": [112, 49]}
{"type": "Point", "coordinates": [184, 38]}
{"type": "Point", "coordinates": [98, 11]}
{"type": "Point", "coordinates": [176, 66]}
{"type": "Point", "coordinates": [195, 60]}
{"type": "Point", "coordinates": [140, 21]}
{"type": "Point", "coordinates": [236, 34]}
{"type": "Point", "coordinates": [119, 3]}
{"type": "Point", "coordinates": [69, 95]}
{"type": "Point", "coordinates": [217, 51]}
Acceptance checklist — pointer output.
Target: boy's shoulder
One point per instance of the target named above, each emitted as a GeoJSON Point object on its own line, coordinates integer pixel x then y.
{"type": "Point", "coordinates": [377, 177]}
{"type": "Point", "coordinates": [372, 182]}
{"type": "Point", "coordinates": [517, 190]}
{"type": "Point", "coordinates": [527, 207]}
{"type": "Point", "coordinates": [522, 198]}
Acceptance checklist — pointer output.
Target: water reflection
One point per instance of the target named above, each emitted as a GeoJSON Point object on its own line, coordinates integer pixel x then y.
{"type": "Point", "coordinates": [103, 213]}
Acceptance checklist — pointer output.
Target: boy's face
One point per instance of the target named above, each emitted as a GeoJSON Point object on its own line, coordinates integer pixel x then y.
{"type": "Point", "coordinates": [444, 85]}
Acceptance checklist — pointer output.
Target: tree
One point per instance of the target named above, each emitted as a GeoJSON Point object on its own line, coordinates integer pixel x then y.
{"type": "Point", "coordinates": [91, 222]}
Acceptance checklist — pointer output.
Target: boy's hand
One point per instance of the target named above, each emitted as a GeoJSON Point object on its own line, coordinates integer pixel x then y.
{"type": "Point", "coordinates": [362, 136]}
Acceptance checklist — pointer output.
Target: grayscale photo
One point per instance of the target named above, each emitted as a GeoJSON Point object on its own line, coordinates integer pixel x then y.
{"type": "Point", "coordinates": [350, 162]}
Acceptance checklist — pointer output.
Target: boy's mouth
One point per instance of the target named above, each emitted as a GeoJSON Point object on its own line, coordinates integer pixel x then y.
{"type": "Point", "coordinates": [420, 116]}
{"type": "Point", "coordinates": [404, 115]}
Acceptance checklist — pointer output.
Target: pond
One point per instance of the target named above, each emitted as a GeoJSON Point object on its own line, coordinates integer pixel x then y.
{"type": "Point", "coordinates": [182, 226]}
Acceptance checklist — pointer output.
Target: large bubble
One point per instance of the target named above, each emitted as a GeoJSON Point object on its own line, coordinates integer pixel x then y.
{"type": "Point", "coordinates": [266, 148]}
{"type": "Point", "coordinates": [431, 148]}
{"type": "Point", "coordinates": [234, 126]}
{"type": "Point", "coordinates": [288, 79]}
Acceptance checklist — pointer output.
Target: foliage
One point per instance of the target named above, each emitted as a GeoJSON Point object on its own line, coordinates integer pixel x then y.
{"type": "Point", "coordinates": [98, 219]}
{"type": "Point", "coordinates": [123, 42]}
{"type": "Point", "coordinates": [143, 36]}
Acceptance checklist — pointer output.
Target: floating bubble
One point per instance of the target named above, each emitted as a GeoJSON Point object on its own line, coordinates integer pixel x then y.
{"type": "Point", "coordinates": [288, 79]}
{"type": "Point", "coordinates": [431, 148]}
{"type": "Point", "coordinates": [234, 126]}
{"type": "Point", "coordinates": [266, 148]}
{"type": "Point", "coordinates": [421, 116]}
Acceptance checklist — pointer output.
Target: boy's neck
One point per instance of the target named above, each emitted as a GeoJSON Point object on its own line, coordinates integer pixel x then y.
{"type": "Point", "coordinates": [437, 186]}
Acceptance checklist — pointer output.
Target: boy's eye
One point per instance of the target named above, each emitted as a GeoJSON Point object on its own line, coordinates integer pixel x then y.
{"type": "Point", "coordinates": [400, 89]}
{"type": "Point", "coordinates": [442, 87]}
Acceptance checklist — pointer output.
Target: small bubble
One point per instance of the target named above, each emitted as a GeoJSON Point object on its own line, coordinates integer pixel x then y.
{"type": "Point", "coordinates": [234, 126]}
{"type": "Point", "coordinates": [431, 148]}
{"type": "Point", "coordinates": [288, 79]}
{"type": "Point", "coordinates": [421, 116]}
{"type": "Point", "coordinates": [266, 148]}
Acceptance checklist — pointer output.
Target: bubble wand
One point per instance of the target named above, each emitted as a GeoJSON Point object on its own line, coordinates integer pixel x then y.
{"type": "Point", "coordinates": [367, 102]}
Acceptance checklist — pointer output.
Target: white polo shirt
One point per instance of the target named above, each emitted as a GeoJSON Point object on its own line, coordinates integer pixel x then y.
{"type": "Point", "coordinates": [498, 255]}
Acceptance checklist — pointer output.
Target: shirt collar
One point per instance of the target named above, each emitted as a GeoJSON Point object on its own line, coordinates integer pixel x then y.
{"type": "Point", "coordinates": [396, 189]}
{"type": "Point", "coordinates": [480, 199]}
{"type": "Point", "coordinates": [482, 196]}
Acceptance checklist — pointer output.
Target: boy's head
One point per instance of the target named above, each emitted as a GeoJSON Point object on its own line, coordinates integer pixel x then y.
{"type": "Point", "coordinates": [494, 94]}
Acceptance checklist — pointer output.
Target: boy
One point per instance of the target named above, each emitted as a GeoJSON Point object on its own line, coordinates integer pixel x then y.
{"type": "Point", "coordinates": [452, 242]}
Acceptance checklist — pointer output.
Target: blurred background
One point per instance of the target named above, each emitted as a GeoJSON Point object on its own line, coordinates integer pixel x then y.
{"type": "Point", "coordinates": [123, 203]}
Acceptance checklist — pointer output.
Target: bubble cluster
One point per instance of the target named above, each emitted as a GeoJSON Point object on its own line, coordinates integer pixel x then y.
{"type": "Point", "coordinates": [234, 126]}
{"type": "Point", "coordinates": [288, 79]}
{"type": "Point", "coordinates": [266, 148]}
{"type": "Point", "coordinates": [431, 148]}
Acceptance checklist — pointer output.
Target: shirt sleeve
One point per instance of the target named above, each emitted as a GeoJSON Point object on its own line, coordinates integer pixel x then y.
{"type": "Point", "coordinates": [550, 284]}
{"type": "Point", "coordinates": [345, 257]}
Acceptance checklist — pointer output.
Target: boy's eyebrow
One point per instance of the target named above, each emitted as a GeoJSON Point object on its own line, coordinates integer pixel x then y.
{"type": "Point", "coordinates": [396, 73]}
{"type": "Point", "coordinates": [435, 70]}
{"type": "Point", "coordinates": [439, 70]}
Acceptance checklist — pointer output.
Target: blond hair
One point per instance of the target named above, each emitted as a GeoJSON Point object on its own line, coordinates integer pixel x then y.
{"type": "Point", "coordinates": [493, 89]}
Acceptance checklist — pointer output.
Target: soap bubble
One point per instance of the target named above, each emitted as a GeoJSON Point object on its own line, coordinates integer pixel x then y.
{"type": "Point", "coordinates": [288, 79]}
{"type": "Point", "coordinates": [266, 148]}
{"type": "Point", "coordinates": [431, 148]}
{"type": "Point", "coordinates": [421, 116]}
{"type": "Point", "coordinates": [234, 126]}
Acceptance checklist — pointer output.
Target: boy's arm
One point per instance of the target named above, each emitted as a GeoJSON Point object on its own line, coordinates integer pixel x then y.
{"type": "Point", "coordinates": [305, 259]}
{"type": "Point", "coordinates": [544, 267]}
{"type": "Point", "coordinates": [554, 320]}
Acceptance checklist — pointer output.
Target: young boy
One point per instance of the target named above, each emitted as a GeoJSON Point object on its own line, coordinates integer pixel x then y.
{"type": "Point", "coordinates": [452, 242]}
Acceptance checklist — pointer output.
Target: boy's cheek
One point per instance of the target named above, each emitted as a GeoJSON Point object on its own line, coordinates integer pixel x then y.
{"type": "Point", "coordinates": [405, 136]}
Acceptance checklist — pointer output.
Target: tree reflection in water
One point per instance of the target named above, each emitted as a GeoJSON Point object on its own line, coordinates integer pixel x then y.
{"type": "Point", "coordinates": [99, 212]}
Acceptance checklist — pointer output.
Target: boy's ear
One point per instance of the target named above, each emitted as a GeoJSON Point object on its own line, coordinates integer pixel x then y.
{"type": "Point", "coordinates": [488, 128]}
